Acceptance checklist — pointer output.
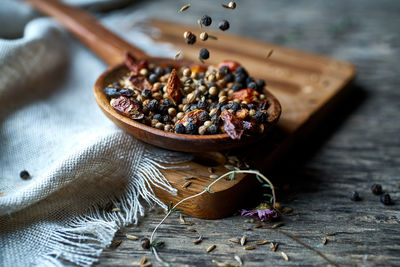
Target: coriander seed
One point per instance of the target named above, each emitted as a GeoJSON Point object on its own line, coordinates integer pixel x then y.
{"type": "Point", "coordinates": [203, 36]}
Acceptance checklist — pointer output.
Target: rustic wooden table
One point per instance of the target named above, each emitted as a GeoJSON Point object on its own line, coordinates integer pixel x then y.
{"type": "Point", "coordinates": [357, 146]}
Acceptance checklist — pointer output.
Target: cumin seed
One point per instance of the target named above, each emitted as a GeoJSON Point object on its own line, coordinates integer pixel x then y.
{"type": "Point", "coordinates": [198, 240]}
{"type": "Point", "coordinates": [249, 247]}
{"type": "Point", "coordinates": [211, 248]}
{"type": "Point", "coordinates": [116, 244]}
{"type": "Point", "coordinates": [238, 259]}
{"type": "Point", "coordinates": [185, 7]}
{"type": "Point", "coordinates": [263, 242]}
{"type": "Point", "coordinates": [285, 256]}
{"type": "Point", "coordinates": [132, 237]}
{"type": "Point", "coordinates": [273, 246]}
{"type": "Point", "coordinates": [234, 240]}
{"type": "Point", "coordinates": [270, 53]}
{"type": "Point", "coordinates": [187, 184]}
{"type": "Point", "coordinates": [115, 209]}
{"type": "Point", "coordinates": [177, 55]}
{"type": "Point", "coordinates": [243, 240]}
{"type": "Point", "coordinates": [181, 219]}
{"type": "Point", "coordinates": [143, 260]}
{"type": "Point", "coordinates": [279, 224]}
{"type": "Point", "coordinates": [324, 240]}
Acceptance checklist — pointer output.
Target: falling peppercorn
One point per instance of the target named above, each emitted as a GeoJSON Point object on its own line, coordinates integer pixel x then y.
{"type": "Point", "coordinates": [355, 196]}
{"type": "Point", "coordinates": [145, 242]}
{"type": "Point", "coordinates": [206, 20]}
{"type": "Point", "coordinates": [204, 54]}
{"type": "Point", "coordinates": [191, 39]}
{"type": "Point", "coordinates": [376, 189]}
{"type": "Point", "coordinates": [24, 175]}
{"type": "Point", "coordinates": [203, 36]}
{"type": "Point", "coordinates": [223, 25]}
{"type": "Point", "coordinates": [386, 199]}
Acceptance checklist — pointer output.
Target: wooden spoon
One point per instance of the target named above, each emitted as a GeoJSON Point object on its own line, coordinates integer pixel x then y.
{"type": "Point", "coordinates": [112, 49]}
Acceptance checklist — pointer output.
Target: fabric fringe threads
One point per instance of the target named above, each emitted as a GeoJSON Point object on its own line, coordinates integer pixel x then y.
{"type": "Point", "coordinates": [85, 237]}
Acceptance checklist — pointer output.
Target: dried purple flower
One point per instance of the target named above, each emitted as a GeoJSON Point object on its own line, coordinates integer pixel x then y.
{"type": "Point", "coordinates": [264, 215]}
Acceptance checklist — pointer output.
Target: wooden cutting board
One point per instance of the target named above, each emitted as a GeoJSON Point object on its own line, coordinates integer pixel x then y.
{"type": "Point", "coordinates": [308, 87]}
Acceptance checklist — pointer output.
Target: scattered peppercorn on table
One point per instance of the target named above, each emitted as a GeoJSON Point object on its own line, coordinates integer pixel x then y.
{"type": "Point", "coordinates": [361, 149]}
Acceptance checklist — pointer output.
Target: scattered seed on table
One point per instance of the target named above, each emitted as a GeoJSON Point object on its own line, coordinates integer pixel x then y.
{"type": "Point", "coordinates": [24, 174]}
{"type": "Point", "coordinates": [198, 240]}
{"type": "Point", "coordinates": [263, 242]}
{"type": "Point", "coordinates": [249, 247]}
{"type": "Point", "coordinates": [231, 5]}
{"type": "Point", "coordinates": [234, 240]}
{"type": "Point", "coordinates": [213, 176]}
{"type": "Point", "coordinates": [206, 20]}
{"type": "Point", "coordinates": [211, 248]}
{"type": "Point", "coordinates": [279, 224]}
{"type": "Point", "coordinates": [191, 229]}
{"type": "Point", "coordinates": [243, 240]}
{"type": "Point", "coordinates": [185, 7]}
{"type": "Point", "coordinates": [116, 244]}
{"type": "Point", "coordinates": [223, 25]}
{"type": "Point", "coordinates": [181, 219]}
{"type": "Point", "coordinates": [211, 170]}
{"type": "Point", "coordinates": [328, 234]}
{"type": "Point", "coordinates": [187, 184]}
{"type": "Point", "coordinates": [249, 221]}
{"type": "Point", "coordinates": [132, 237]}
{"type": "Point", "coordinates": [354, 196]}
{"type": "Point", "coordinates": [273, 246]}
{"type": "Point", "coordinates": [238, 259]}
{"type": "Point", "coordinates": [145, 242]}
{"type": "Point", "coordinates": [285, 256]}
{"type": "Point", "coordinates": [229, 167]}
{"type": "Point", "coordinates": [115, 209]}
{"type": "Point", "coordinates": [324, 240]}
{"type": "Point", "coordinates": [143, 260]}
{"type": "Point", "coordinates": [244, 227]}
{"type": "Point", "coordinates": [386, 199]}
{"type": "Point", "coordinates": [376, 189]}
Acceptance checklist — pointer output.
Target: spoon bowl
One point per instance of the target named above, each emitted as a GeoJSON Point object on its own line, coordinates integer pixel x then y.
{"type": "Point", "coordinates": [168, 140]}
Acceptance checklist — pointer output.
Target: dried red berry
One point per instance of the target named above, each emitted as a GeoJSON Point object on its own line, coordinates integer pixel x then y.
{"type": "Point", "coordinates": [174, 87]}
{"type": "Point", "coordinates": [232, 125]}
{"type": "Point", "coordinates": [248, 95]}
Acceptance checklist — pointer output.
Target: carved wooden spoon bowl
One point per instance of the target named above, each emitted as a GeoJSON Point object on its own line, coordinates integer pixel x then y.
{"type": "Point", "coordinates": [111, 48]}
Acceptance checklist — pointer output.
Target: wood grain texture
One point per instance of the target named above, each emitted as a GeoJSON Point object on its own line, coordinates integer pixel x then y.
{"type": "Point", "coordinates": [356, 146]}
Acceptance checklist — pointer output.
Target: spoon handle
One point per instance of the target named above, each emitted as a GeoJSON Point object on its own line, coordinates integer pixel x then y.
{"type": "Point", "coordinates": [107, 45]}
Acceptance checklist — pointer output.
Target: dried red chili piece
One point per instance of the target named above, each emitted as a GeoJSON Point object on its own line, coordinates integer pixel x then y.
{"type": "Point", "coordinates": [232, 65]}
{"type": "Point", "coordinates": [199, 68]}
{"type": "Point", "coordinates": [248, 95]}
{"type": "Point", "coordinates": [174, 87]}
{"type": "Point", "coordinates": [232, 125]}
{"type": "Point", "coordinates": [140, 82]}
{"type": "Point", "coordinates": [123, 105]}
{"type": "Point", "coordinates": [192, 116]}
{"type": "Point", "coordinates": [134, 65]}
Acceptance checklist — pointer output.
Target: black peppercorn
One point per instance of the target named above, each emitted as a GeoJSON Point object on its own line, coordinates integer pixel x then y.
{"type": "Point", "coordinates": [162, 109]}
{"type": "Point", "coordinates": [204, 116]}
{"type": "Point", "coordinates": [153, 105]}
{"type": "Point", "coordinates": [179, 128]}
{"type": "Point", "coordinates": [167, 103]}
{"type": "Point", "coordinates": [191, 39]}
{"type": "Point", "coordinates": [223, 25]}
{"type": "Point", "coordinates": [138, 103]}
{"type": "Point", "coordinates": [225, 69]}
{"type": "Point", "coordinates": [237, 86]}
{"type": "Point", "coordinates": [159, 71]}
{"type": "Point", "coordinates": [24, 174]}
{"type": "Point", "coordinates": [240, 69]}
{"type": "Point", "coordinates": [229, 77]}
{"type": "Point", "coordinates": [126, 92]}
{"type": "Point", "coordinates": [153, 78]}
{"type": "Point", "coordinates": [235, 106]}
{"type": "Point", "coordinates": [260, 117]}
{"type": "Point", "coordinates": [157, 117]}
{"type": "Point", "coordinates": [191, 128]}
{"type": "Point", "coordinates": [146, 92]}
{"type": "Point", "coordinates": [204, 54]}
{"type": "Point", "coordinates": [213, 129]}
{"type": "Point", "coordinates": [202, 104]}
{"type": "Point", "coordinates": [145, 242]}
{"type": "Point", "coordinates": [111, 92]}
{"type": "Point", "coordinates": [386, 199]}
{"type": "Point", "coordinates": [355, 196]}
{"type": "Point", "coordinates": [167, 118]}
{"type": "Point", "coordinates": [252, 85]}
{"type": "Point", "coordinates": [376, 189]}
{"type": "Point", "coordinates": [240, 77]}
{"type": "Point", "coordinates": [206, 20]}
{"type": "Point", "coordinates": [261, 83]}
